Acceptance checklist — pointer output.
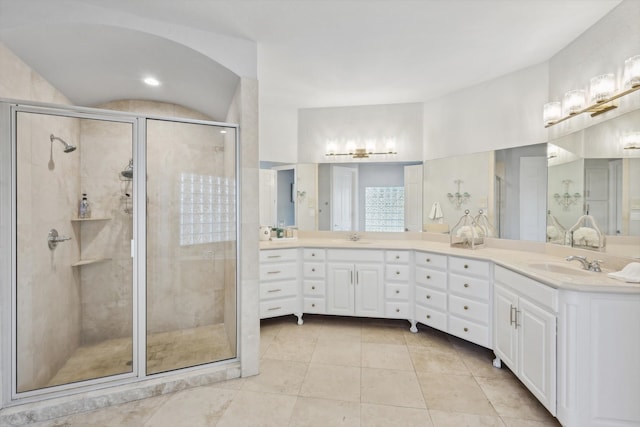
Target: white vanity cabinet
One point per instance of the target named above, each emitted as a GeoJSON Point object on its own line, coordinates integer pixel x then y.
{"type": "Point", "coordinates": [598, 359]}
{"type": "Point", "coordinates": [355, 283]}
{"type": "Point", "coordinates": [431, 290]}
{"type": "Point", "coordinates": [279, 283]}
{"type": "Point", "coordinates": [313, 280]}
{"type": "Point", "coordinates": [469, 300]}
{"type": "Point", "coordinates": [396, 284]}
{"type": "Point", "coordinates": [525, 332]}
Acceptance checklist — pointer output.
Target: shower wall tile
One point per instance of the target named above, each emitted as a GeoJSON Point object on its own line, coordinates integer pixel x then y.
{"type": "Point", "coordinates": [16, 75]}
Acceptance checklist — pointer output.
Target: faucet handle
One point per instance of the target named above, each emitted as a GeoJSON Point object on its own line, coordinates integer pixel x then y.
{"type": "Point", "coordinates": [595, 265]}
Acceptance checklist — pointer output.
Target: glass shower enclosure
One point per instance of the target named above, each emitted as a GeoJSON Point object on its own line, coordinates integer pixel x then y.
{"type": "Point", "coordinates": [124, 246]}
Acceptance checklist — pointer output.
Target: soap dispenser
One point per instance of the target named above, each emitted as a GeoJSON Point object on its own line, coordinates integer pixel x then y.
{"type": "Point", "coordinates": [84, 210]}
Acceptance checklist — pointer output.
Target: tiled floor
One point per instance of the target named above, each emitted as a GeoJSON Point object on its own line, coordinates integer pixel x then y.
{"type": "Point", "coordinates": [165, 351]}
{"type": "Point", "coordinates": [335, 371]}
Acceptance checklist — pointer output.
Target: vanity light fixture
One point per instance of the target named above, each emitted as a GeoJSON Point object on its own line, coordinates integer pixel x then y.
{"type": "Point", "coordinates": [602, 87]}
{"type": "Point", "coordinates": [351, 149]}
{"type": "Point", "coordinates": [631, 141]}
{"type": "Point", "coordinates": [458, 199]}
{"type": "Point", "coordinates": [602, 93]}
{"type": "Point", "coordinates": [574, 101]}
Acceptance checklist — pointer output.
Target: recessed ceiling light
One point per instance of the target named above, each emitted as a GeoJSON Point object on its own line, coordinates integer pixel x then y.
{"type": "Point", "coordinates": [151, 81]}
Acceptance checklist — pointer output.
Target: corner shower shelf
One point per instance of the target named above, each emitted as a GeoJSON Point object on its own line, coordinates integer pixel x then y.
{"type": "Point", "coordinates": [90, 219]}
{"type": "Point", "coordinates": [89, 261]}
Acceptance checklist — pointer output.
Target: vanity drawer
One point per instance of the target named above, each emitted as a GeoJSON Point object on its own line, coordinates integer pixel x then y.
{"type": "Point", "coordinates": [312, 254]}
{"type": "Point", "coordinates": [430, 317]}
{"type": "Point", "coordinates": [428, 259]}
{"type": "Point", "coordinates": [397, 257]}
{"type": "Point", "coordinates": [313, 288]}
{"type": "Point", "coordinates": [535, 291]}
{"type": "Point", "coordinates": [278, 307]}
{"type": "Point", "coordinates": [397, 272]}
{"type": "Point", "coordinates": [278, 255]}
{"type": "Point", "coordinates": [270, 290]}
{"type": "Point", "coordinates": [469, 266]}
{"type": "Point", "coordinates": [469, 330]}
{"type": "Point", "coordinates": [469, 286]}
{"type": "Point", "coordinates": [397, 310]}
{"type": "Point", "coordinates": [355, 255]}
{"type": "Point", "coordinates": [278, 271]}
{"type": "Point", "coordinates": [314, 305]}
{"type": "Point", "coordinates": [477, 311]}
{"type": "Point", "coordinates": [432, 278]}
{"type": "Point", "coordinates": [392, 291]}
{"type": "Point", "coordinates": [313, 270]}
{"type": "Point", "coordinates": [431, 298]}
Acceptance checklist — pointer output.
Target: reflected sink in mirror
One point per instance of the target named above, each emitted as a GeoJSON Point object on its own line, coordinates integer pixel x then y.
{"type": "Point", "coordinates": [561, 269]}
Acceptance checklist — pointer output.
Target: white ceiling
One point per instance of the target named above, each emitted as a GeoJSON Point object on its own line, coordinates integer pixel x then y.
{"type": "Point", "coordinates": [310, 53]}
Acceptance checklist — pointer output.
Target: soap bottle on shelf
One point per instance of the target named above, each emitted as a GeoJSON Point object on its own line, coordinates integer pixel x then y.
{"type": "Point", "coordinates": [84, 210]}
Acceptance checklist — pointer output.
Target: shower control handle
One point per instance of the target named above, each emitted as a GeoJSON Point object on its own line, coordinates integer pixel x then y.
{"type": "Point", "coordinates": [53, 238]}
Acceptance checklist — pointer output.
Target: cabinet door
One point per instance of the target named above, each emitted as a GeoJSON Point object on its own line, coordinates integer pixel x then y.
{"type": "Point", "coordinates": [505, 335]}
{"type": "Point", "coordinates": [369, 290]}
{"type": "Point", "coordinates": [537, 352]}
{"type": "Point", "coordinates": [340, 288]}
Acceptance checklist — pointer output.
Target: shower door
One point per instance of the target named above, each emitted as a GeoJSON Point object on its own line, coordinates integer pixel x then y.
{"type": "Point", "coordinates": [74, 302]}
{"type": "Point", "coordinates": [191, 244]}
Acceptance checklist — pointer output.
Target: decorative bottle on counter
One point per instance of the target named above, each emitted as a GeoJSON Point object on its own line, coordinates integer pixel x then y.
{"type": "Point", "coordinates": [84, 210]}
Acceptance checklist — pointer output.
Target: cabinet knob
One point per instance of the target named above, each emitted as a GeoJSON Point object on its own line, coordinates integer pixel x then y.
{"type": "Point", "coordinates": [313, 254]}
{"type": "Point", "coordinates": [466, 266]}
{"type": "Point", "coordinates": [313, 288]}
{"type": "Point", "coordinates": [466, 329]}
{"type": "Point", "coordinates": [397, 273]}
{"type": "Point", "coordinates": [313, 270]}
{"type": "Point", "coordinates": [313, 305]}
{"type": "Point", "coordinates": [428, 277]}
{"type": "Point", "coordinates": [466, 307]}
{"type": "Point", "coordinates": [397, 310]}
{"type": "Point", "coordinates": [466, 285]}
{"type": "Point", "coordinates": [397, 256]}
{"type": "Point", "coordinates": [397, 291]}
{"type": "Point", "coordinates": [428, 259]}
{"type": "Point", "coordinates": [428, 296]}
{"type": "Point", "coordinates": [428, 316]}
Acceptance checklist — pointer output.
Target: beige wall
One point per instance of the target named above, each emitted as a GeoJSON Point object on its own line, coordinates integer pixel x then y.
{"type": "Point", "coordinates": [48, 188]}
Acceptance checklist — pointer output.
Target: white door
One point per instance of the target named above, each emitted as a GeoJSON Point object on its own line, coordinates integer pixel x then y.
{"type": "Point", "coordinates": [340, 283]}
{"type": "Point", "coordinates": [596, 186]}
{"type": "Point", "coordinates": [533, 198]}
{"type": "Point", "coordinates": [343, 196]}
{"type": "Point", "coordinates": [537, 352]}
{"type": "Point", "coordinates": [505, 337]}
{"type": "Point", "coordinates": [413, 198]}
{"type": "Point", "coordinates": [369, 290]}
{"type": "Point", "coordinates": [267, 197]}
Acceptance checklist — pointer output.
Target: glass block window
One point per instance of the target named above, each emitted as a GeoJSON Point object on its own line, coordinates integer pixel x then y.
{"type": "Point", "coordinates": [207, 209]}
{"type": "Point", "coordinates": [384, 209]}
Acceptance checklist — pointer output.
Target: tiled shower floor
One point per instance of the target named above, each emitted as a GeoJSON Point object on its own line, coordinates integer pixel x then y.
{"type": "Point", "coordinates": [165, 351]}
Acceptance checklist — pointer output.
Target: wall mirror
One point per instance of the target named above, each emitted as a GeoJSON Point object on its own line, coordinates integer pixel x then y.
{"type": "Point", "coordinates": [596, 171]}
{"type": "Point", "coordinates": [346, 196]}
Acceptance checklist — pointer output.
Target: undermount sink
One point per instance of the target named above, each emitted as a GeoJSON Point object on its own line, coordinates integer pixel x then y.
{"type": "Point", "coordinates": [560, 269]}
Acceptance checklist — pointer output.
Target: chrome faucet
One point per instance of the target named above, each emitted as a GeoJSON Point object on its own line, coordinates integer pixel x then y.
{"type": "Point", "coordinates": [354, 237]}
{"type": "Point", "coordinates": [591, 266]}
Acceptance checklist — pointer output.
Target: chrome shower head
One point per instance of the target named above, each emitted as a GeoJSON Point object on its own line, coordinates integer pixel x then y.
{"type": "Point", "coordinates": [67, 148]}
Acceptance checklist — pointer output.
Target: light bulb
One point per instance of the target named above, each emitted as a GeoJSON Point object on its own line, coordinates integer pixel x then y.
{"type": "Point", "coordinates": [602, 87]}
{"type": "Point", "coordinates": [574, 101]}
{"type": "Point", "coordinates": [551, 112]}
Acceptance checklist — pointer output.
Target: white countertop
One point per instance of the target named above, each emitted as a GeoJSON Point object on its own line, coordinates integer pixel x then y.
{"type": "Point", "coordinates": [521, 257]}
